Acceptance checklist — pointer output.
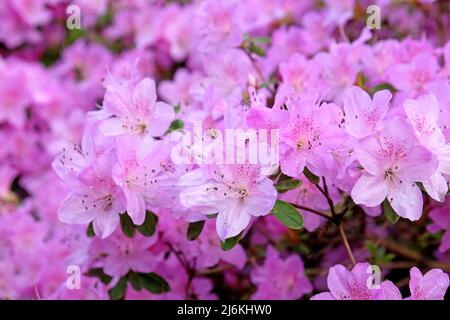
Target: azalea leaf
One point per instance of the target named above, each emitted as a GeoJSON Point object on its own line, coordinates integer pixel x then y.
{"type": "Point", "coordinates": [195, 229]}
{"type": "Point", "coordinates": [148, 228]}
{"type": "Point", "coordinates": [118, 291]}
{"type": "Point", "coordinates": [127, 225]}
{"type": "Point", "coordinates": [154, 283]}
{"type": "Point", "coordinates": [382, 86]}
{"type": "Point", "coordinates": [230, 243]}
{"type": "Point", "coordinates": [175, 125]}
{"type": "Point", "coordinates": [286, 185]}
{"type": "Point", "coordinates": [135, 280]}
{"type": "Point", "coordinates": [253, 48]}
{"type": "Point", "coordinates": [287, 215]}
{"type": "Point", "coordinates": [421, 187]}
{"type": "Point", "coordinates": [389, 212]}
{"type": "Point", "coordinates": [100, 274]}
{"type": "Point", "coordinates": [311, 176]}
{"type": "Point", "coordinates": [261, 39]}
{"type": "Point", "coordinates": [90, 230]}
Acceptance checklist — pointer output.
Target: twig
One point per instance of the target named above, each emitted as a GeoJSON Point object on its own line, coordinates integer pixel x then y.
{"type": "Point", "coordinates": [325, 193]}
{"type": "Point", "coordinates": [312, 211]}
{"type": "Point", "coordinates": [346, 244]}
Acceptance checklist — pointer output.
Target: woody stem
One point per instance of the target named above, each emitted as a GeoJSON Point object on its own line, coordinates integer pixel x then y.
{"type": "Point", "coordinates": [346, 244]}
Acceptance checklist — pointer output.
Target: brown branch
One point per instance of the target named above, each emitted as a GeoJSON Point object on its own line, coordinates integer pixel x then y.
{"type": "Point", "coordinates": [312, 211]}
{"type": "Point", "coordinates": [346, 244]}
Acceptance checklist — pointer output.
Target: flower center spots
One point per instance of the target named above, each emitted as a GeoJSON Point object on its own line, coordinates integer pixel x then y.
{"type": "Point", "coordinates": [389, 174]}
{"type": "Point", "coordinates": [243, 193]}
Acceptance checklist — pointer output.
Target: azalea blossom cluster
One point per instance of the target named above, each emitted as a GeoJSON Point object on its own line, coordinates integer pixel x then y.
{"type": "Point", "coordinates": [119, 179]}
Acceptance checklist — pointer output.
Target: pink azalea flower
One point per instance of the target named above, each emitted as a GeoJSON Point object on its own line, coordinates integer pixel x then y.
{"type": "Point", "coordinates": [392, 163]}
{"type": "Point", "coordinates": [364, 116]}
{"type": "Point", "coordinates": [227, 75]}
{"type": "Point", "coordinates": [423, 114]}
{"type": "Point", "coordinates": [137, 173]}
{"type": "Point", "coordinates": [412, 77]}
{"type": "Point", "coordinates": [220, 20]}
{"type": "Point", "coordinates": [309, 137]}
{"type": "Point", "coordinates": [236, 192]}
{"type": "Point", "coordinates": [135, 109]}
{"type": "Point", "coordinates": [356, 285]}
{"type": "Point", "coordinates": [280, 278]}
{"type": "Point", "coordinates": [340, 66]}
{"type": "Point", "coordinates": [95, 198]}
{"type": "Point", "coordinates": [430, 286]}
{"type": "Point", "coordinates": [124, 254]}
{"type": "Point", "coordinates": [300, 77]}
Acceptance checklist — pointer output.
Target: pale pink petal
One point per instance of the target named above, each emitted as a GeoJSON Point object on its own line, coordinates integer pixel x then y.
{"type": "Point", "coordinates": [262, 200]}
{"type": "Point", "coordinates": [366, 153]}
{"type": "Point", "coordinates": [421, 164]}
{"type": "Point", "coordinates": [232, 220]}
{"type": "Point", "coordinates": [105, 223]}
{"type": "Point", "coordinates": [135, 207]}
{"type": "Point", "coordinates": [436, 187]}
{"type": "Point", "coordinates": [160, 119]}
{"type": "Point", "coordinates": [389, 291]}
{"type": "Point", "coordinates": [112, 127]}
{"type": "Point", "coordinates": [406, 200]}
{"type": "Point", "coordinates": [381, 101]}
{"type": "Point", "coordinates": [338, 278]}
{"type": "Point", "coordinates": [75, 210]}
{"type": "Point", "coordinates": [323, 296]}
{"type": "Point", "coordinates": [144, 95]}
{"type": "Point", "coordinates": [292, 164]}
{"type": "Point", "coordinates": [369, 190]}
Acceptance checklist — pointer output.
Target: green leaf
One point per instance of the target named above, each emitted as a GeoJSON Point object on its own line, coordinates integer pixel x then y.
{"type": "Point", "coordinates": [75, 34]}
{"type": "Point", "coordinates": [311, 176]}
{"type": "Point", "coordinates": [118, 292]}
{"type": "Point", "coordinates": [90, 230]}
{"type": "Point", "coordinates": [382, 86]}
{"type": "Point", "coordinates": [194, 230]}
{"type": "Point", "coordinates": [127, 225]}
{"type": "Point", "coordinates": [261, 39]}
{"type": "Point", "coordinates": [98, 273]}
{"type": "Point", "coordinates": [286, 185]}
{"type": "Point", "coordinates": [148, 228]}
{"type": "Point", "coordinates": [106, 19]}
{"type": "Point", "coordinates": [135, 280]}
{"type": "Point", "coordinates": [421, 187]}
{"type": "Point", "coordinates": [378, 254]}
{"type": "Point", "coordinates": [287, 215]}
{"type": "Point", "coordinates": [389, 212]}
{"type": "Point", "coordinates": [253, 48]}
{"type": "Point", "coordinates": [154, 283]}
{"type": "Point", "coordinates": [230, 243]}
{"type": "Point", "coordinates": [176, 125]}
